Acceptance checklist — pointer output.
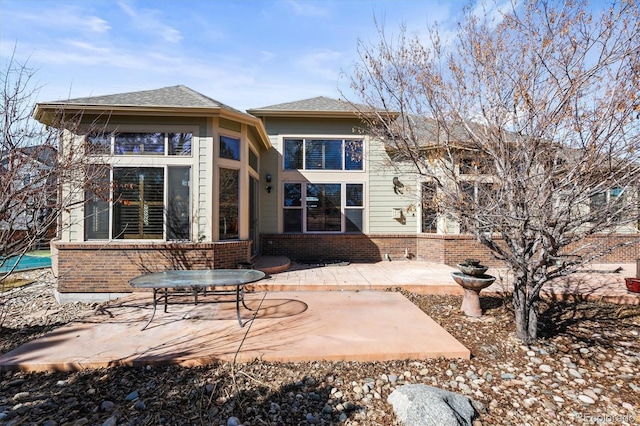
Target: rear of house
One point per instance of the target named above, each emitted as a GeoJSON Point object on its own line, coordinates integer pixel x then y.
{"type": "Point", "coordinates": [182, 181]}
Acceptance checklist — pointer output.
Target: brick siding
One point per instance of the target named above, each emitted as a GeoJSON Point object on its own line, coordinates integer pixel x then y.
{"type": "Point", "coordinates": [447, 249]}
{"type": "Point", "coordinates": [106, 268]}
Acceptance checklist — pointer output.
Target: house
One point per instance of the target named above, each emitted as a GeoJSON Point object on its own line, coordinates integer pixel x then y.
{"type": "Point", "coordinates": [28, 195]}
{"type": "Point", "coordinates": [188, 182]}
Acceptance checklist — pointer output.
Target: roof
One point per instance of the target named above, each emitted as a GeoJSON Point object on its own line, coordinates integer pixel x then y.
{"type": "Point", "coordinates": [174, 100]}
{"type": "Point", "coordinates": [319, 106]}
{"type": "Point", "coordinates": [174, 96]}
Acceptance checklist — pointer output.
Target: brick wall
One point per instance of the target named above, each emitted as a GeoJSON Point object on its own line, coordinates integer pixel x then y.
{"type": "Point", "coordinates": [100, 267]}
{"type": "Point", "coordinates": [107, 268]}
{"type": "Point", "coordinates": [447, 249]}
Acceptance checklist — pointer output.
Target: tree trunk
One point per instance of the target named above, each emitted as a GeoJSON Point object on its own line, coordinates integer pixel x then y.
{"type": "Point", "coordinates": [526, 313]}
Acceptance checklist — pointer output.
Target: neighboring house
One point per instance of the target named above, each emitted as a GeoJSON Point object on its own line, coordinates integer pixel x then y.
{"type": "Point", "coordinates": [28, 194]}
{"type": "Point", "coordinates": [189, 182]}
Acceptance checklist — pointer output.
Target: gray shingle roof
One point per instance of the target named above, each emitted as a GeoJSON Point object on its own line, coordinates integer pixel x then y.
{"type": "Point", "coordinates": [318, 104]}
{"type": "Point", "coordinates": [174, 96]}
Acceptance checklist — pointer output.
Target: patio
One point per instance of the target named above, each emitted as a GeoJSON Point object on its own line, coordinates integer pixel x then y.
{"type": "Point", "coordinates": [295, 320]}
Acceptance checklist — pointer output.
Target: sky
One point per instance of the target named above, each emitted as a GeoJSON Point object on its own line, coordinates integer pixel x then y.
{"type": "Point", "coordinates": [243, 53]}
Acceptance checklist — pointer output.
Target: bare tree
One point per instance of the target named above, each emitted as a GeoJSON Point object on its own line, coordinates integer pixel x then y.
{"type": "Point", "coordinates": [527, 126]}
{"type": "Point", "coordinates": [31, 168]}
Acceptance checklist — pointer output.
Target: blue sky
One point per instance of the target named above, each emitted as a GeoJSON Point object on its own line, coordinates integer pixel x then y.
{"type": "Point", "coordinates": [245, 53]}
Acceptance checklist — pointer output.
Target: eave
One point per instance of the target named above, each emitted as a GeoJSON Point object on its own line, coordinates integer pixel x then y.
{"type": "Point", "coordinates": [49, 114]}
{"type": "Point", "coordinates": [317, 114]}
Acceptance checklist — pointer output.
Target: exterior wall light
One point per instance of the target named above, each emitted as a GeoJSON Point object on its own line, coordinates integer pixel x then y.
{"type": "Point", "coordinates": [268, 179]}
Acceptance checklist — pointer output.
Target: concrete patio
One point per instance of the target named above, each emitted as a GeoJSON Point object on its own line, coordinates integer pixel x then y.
{"type": "Point", "coordinates": [296, 318]}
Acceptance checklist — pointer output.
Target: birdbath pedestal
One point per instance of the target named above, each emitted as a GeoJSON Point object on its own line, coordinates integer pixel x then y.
{"type": "Point", "coordinates": [473, 279]}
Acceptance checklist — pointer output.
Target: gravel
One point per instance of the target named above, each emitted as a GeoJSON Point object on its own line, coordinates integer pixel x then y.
{"type": "Point", "coordinates": [585, 369]}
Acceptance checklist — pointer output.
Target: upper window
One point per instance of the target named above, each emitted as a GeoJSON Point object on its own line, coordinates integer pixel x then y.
{"type": "Point", "coordinates": [323, 154]}
{"type": "Point", "coordinates": [140, 143]}
{"type": "Point", "coordinates": [474, 164]}
{"type": "Point", "coordinates": [229, 148]}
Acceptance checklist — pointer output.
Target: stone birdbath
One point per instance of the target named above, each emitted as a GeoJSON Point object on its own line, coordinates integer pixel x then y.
{"type": "Point", "coordinates": [473, 279]}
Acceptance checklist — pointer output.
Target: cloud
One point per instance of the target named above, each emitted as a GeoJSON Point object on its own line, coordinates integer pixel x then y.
{"type": "Point", "coordinates": [67, 18]}
{"type": "Point", "coordinates": [149, 21]}
{"type": "Point", "coordinates": [308, 9]}
{"type": "Point", "coordinates": [324, 63]}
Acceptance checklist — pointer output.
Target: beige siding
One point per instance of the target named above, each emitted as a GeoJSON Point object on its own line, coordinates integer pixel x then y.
{"type": "Point", "coordinates": [308, 126]}
{"type": "Point", "coordinates": [201, 185]}
{"type": "Point", "coordinates": [269, 202]}
{"type": "Point", "coordinates": [383, 199]}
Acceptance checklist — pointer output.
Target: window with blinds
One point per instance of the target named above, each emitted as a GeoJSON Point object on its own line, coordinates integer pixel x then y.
{"type": "Point", "coordinates": [155, 143]}
{"type": "Point", "coordinates": [148, 203]}
{"type": "Point", "coordinates": [138, 210]}
{"type": "Point", "coordinates": [323, 154]}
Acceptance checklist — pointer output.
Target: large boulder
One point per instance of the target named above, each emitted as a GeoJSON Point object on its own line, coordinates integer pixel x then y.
{"type": "Point", "coordinates": [422, 405]}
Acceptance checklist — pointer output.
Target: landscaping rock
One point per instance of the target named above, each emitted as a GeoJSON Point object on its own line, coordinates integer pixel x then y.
{"type": "Point", "coordinates": [422, 405]}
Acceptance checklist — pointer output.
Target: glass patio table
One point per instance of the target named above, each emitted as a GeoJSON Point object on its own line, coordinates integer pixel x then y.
{"type": "Point", "coordinates": [229, 282]}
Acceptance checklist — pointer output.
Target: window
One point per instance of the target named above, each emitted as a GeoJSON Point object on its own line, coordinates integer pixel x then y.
{"type": "Point", "coordinates": [228, 208]}
{"type": "Point", "coordinates": [323, 207]}
{"type": "Point", "coordinates": [478, 199]}
{"type": "Point", "coordinates": [320, 207]}
{"type": "Point", "coordinates": [253, 160]}
{"type": "Point", "coordinates": [474, 163]}
{"type": "Point", "coordinates": [292, 207]}
{"type": "Point", "coordinates": [178, 205]}
{"type": "Point", "coordinates": [354, 207]}
{"type": "Point", "coordinates": [429, 208]}
{"type": "Point", "coordinates": [146, 205]}
{"type": "Point", "coordinates": [98, 143]}
{"type": "Point", "coordinates": [138, 210]}
{"type": "Point", "coordinates": [179, 143]}
{"type": "Point", "coordinates": [323, 154]}
{"type": "Point", "coordinates": [610, 203]}
{"type": "Point", "coordinates": [229, 148]}
{"type": "Point", "coordinates": [140, 143]}
{"type": "Point", "coordinates": [96, 208]}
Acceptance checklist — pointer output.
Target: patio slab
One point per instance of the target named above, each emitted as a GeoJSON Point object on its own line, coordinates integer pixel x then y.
{"type": "Point", "coordinates": [289, 326]}
{"type": "Point", "coordinates": [299, 321]}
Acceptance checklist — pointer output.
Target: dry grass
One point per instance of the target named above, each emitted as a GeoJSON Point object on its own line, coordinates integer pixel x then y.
{"type": "Point", "coordinates": [9, 283]}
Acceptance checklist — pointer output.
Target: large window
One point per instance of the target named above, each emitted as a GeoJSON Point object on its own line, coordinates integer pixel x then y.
{"type": "Point", "coordinates": [153, 143]}
{"type": "Point", "coordinates": [138, 210]}
{"type": "Point", "coordinates": [148, 203]}
{"type": "Point", "coordinates": [323, 207]}
{"type": "Point", "coordinates": [323, 154]}
{"type": "Point", "coordinates": [228, 208]}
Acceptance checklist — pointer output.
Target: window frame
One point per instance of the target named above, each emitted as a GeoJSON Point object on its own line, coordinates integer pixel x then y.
{"type": "Point", "coordinates": [301, 163]}
{"type": "Point", "coordinates": [104, 148]}
{"type": "Point", "coordinates": [166, 193]}
{"type": "Point", "coordinates": [302, 206]}
{"type": "Point", "coordinates": [427, 210]}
